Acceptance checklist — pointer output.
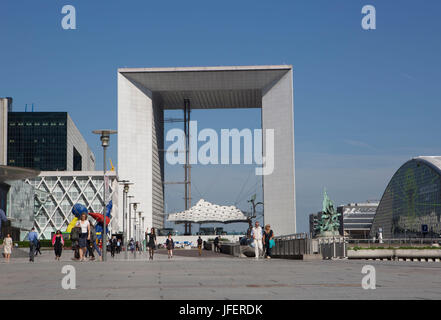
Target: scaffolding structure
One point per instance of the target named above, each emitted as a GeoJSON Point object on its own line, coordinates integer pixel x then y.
{"type": "Point", "coordinates": [187, 165]}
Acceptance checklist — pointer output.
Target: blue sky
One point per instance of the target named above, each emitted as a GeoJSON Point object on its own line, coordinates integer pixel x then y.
{"type": "Point", "coordinates": [365, 101]}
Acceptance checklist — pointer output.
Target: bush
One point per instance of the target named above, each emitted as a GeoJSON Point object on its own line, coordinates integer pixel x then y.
{"type": "Point", "coordinates": [43, 243]}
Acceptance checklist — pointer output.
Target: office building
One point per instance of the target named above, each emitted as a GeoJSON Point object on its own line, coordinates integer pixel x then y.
{"type": "Point", "coordinates": [411, 202]}
{"type": "Point", "coordinates": [57, 192]}
{"type": "Point", "coordinates": [5, 107]}
{"type": "Point", "coordinates": [356, 219]}
{"type": "Point", "coordinates": [47, 141]}
{"type": "Point", "coordinates": [144, 94]}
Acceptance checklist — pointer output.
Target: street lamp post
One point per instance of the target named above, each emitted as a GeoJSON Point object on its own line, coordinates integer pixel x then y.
{"type": "Point", "coordinates": [105, 139]}
{"type": "Point", "coordinates": [142, 234]}
{"type": "Point", "coordinates": [139, 229]}
{"type": "Point", "coordinates": [135, 206]}
{"type": "Point", "coordinates": [126, 184]}
{"type": "Point", "coordinates": [128, 222]}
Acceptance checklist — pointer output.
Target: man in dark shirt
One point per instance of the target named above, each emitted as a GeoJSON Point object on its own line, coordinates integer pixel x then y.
{"type": "Point", "coordinates": [200, 245]}
{"type": "Point", "coordinates": [216, 244]}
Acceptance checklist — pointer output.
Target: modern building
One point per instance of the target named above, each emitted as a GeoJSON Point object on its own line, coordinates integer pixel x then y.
{"type": "Point", "coordinates": [411, 203]}
{"type": "Point", "coordinates": [55, 193]}
{"type": "Point", "coordinates": [16, 200]}
{"type": "Point", "coordinates": [5, 107]}
{"type": "Point", "coordinates": [47, 141]}
{"type": "Point", "coordinates": [314, 219]}
{"type": "Point", "coordinates": [356, 219]}
{"type": "Point", "coordinates": [144, 94]}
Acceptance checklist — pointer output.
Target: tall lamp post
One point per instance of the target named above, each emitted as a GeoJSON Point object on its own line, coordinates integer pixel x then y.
{"type": "Point", "coordinates": [128, 219]}
{"type": "Point", "coordinates": [143, 235]}
{"type": "Point", "coordinates": [105, 139]}
{"type": "Point", "coordinates": [126, 185]}
{"type": "Point", "coordinates": [139, 229]}
{"type": "Point", "coordinates": [135, 206]}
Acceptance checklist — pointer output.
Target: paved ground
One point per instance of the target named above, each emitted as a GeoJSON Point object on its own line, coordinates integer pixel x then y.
{"type": "Point", "coordinates": [213, 276]}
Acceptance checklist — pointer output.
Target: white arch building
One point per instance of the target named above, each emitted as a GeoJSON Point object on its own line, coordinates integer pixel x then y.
{"type": "Point", "coordinates": [144, 94]}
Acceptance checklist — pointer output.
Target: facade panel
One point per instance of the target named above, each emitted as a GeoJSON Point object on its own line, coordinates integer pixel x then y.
{"type": "Point", "coordinates": [56, 194]}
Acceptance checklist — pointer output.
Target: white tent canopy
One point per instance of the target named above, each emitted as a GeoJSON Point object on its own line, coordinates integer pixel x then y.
{"type": "Point", "coordinates": [206, 212]}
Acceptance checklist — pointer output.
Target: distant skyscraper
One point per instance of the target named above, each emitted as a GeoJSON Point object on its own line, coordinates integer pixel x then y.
{"type": "Point", "coordinates": [5, 107]}
{"type": "Point", "coordinates": [47, 141]}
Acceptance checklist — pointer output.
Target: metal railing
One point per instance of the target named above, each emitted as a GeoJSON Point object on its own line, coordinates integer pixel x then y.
{"type": "Point", "coordinates": [293, 236]}
{"type": "Point", "coordinates": [296, 246]}
{"type": "Point", "coordinates": [293, 245]}
{"type": "Point", "coordinates": [333, 248]}
{"type": "Point", "coordinates": [402, 242]}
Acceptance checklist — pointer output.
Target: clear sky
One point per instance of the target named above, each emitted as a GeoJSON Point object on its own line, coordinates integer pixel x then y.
{"type": "Point", "coordinates": [365, 101]}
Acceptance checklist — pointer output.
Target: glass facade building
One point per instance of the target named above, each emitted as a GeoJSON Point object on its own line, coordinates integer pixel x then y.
{"type": "Point", "coordinates": [55, 193]}
{"type": "Point", "coordinates": [37, 140]}
{"type": "Point", "coordinates": [47, 141]}
{"type": "Point", "coordinates": [411, 203]}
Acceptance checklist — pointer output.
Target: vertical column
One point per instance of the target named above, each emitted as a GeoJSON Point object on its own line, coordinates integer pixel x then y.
{"type": "Point", "coordinates": [135, 121]}
{"type": "Point", "coordinates": [279, 186]}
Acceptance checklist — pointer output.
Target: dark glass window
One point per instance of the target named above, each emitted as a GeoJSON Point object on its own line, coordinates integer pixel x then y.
{"type": "Point", "coordinates": [37, 141]}
{"type": "Point", "coordinates": [77, 160]}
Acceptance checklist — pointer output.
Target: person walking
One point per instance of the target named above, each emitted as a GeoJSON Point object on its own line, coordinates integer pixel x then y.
{"type": "Point", "coordinates": [132, 245]}
{"type": "Point", "coordinates": [75, 238]}
{"type": "Point", "coordinates": [113, 246]}
{"type": "Point", "coordinates": [256, 234]}
{"type": "Point", "coordinates": [268, 236]}
{"type": "Point", "coordinates": [152, 243]}
{"type": "Point", "coordinates": [200, 245]}
{"type": "Point", "coordinates": [58, 243]}
{"type": "Point", "coordinates": [84, 224]}
{"type": "Point", "coordinates": [7, 247]}
{"type": "Point", "coordinates": [37, 248]}
{"type": "Point", "coordinates": [32, 237]}
{"type": "Point", "coordinates": [91, 244]}
{"type": "Point", "coordinates": [170, 245]}
{"type": "Point", "coordinates": [216, 245]}
{"type": "Point", "coordinates": [118, 246]}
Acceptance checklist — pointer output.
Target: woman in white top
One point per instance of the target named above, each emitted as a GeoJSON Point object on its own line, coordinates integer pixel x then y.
{"type": "Point", "coordinates": [7, 247]}
{"type": "Point", "coordinates": [84, 224]}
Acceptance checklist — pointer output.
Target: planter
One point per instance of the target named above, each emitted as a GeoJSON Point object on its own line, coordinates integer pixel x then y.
{"type": "Point", "coordinates": [415, 253]}
{"type": "Point", "coordinates": [371, 254]}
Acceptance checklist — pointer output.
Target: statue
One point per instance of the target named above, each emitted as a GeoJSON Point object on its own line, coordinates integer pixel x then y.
{"type": "Point", "coordinates": [253, 214]}
{"type": "Point", "coordinates": [329, 223]}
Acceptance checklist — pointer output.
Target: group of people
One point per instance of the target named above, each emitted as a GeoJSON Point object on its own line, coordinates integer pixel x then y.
{"type": "Point", "coordinates": [84, 242]}
{"type": "Point", "coordinates": [34, 246]}
{"type": "Point", "coordinates": [263, 240]}
{"type": "Point", "coordinates": [115, 246]}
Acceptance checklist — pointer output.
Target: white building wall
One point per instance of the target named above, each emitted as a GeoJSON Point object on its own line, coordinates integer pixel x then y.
{"type": "Point", "coordinates": [279, 187]}
{"type": "Point", "coordinates": [3, 131]}
{"type": "Point", "coordinates": [75, 139]}
{"type": "Point", "coordinates": [135, 119]}
{"type": "Point", "coordinates": [138, 132]}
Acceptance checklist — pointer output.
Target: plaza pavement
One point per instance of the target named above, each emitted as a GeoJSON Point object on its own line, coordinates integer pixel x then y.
{"type": "Point", "coordinates": [215, 276]}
